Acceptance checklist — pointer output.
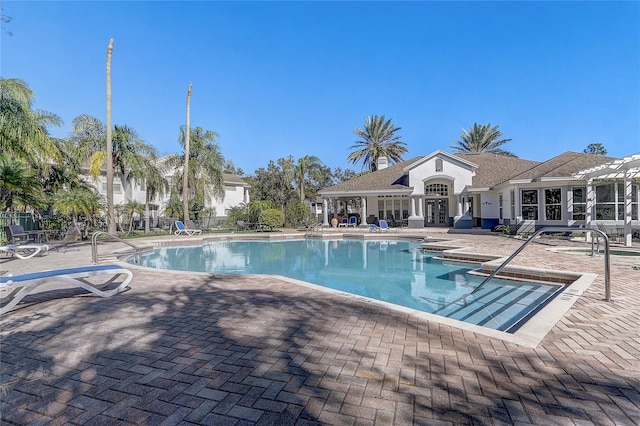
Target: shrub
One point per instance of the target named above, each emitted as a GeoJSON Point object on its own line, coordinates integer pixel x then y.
{"type": "Point", "coordinates": [272, 217]}
{"type": "Point", "coordinates": [297, 214]}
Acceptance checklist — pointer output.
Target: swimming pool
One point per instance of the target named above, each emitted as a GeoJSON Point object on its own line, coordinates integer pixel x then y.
{"type": "Point", "coordinates": [397, 272]}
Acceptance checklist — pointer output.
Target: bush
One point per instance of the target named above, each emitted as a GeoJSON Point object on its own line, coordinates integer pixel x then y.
{"type": "Point", "coordinates": [297, 214]}
{"type": "Point", "coordinates": [272, 217]}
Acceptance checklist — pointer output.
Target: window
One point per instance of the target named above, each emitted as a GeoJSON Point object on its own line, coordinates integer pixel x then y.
{"type": "Point", "coordinates": [579, 202]}
{"type": "Point", "coordinates": [500, 200]}
{"type": "Point", "coordinates": [605, 202]}
{"type": "Point", "coordinates": [405, 208]}
{"type": "Point", "coordinates": [553, 204]}
{"type": "Point", "coordinates": [610, 201]}
{"type": "Point", "coordinates": [530, 204]}
{"type": "Point", "coordinates": [229, 188]}
{"type": "Point", "coordinates": [117, 187]}
{"type": "Point", "coordinates": [513, 204]}
{"type": "Point", "coordinates": [436, 190]}
{"type": "Point", "coordinates": [438, 165]}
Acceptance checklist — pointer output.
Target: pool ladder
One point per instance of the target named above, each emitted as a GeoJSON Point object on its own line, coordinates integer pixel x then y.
{"type": "Point", "coordinates": [136, 251]}
{"type": "Point", "coordinates": [607, 263]}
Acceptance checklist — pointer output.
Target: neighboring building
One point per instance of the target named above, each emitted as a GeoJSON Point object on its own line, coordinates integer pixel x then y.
{"type": "Point", "coordinates": [484, 190]}
{"type": "Point", "coordinates": [236, 192]}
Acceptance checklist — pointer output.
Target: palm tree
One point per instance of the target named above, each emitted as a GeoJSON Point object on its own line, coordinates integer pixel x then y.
{"type": "Point", "coordinates": [19, 185]}
{"type": "Point", "coordinates": [481, 138]}
{"type": "Point", "coordinates": [156, 185]}
{"type": "Point", "coordinates": [205, 177]}
{"type": "Point", "coordinates": [23, 130]}
{"type": "Point", "coordinates": [306, 165]}
{"type": "Point", "coordinates": [379, 138]}
{"type": "Point", "coordinates": [109, 148]}
{"type": "Point", "coordinates": [185, 175]}
{"type": "Point", "coordinates": [82, 200]}
{"type": "Point", "coordinates": [131, 155]}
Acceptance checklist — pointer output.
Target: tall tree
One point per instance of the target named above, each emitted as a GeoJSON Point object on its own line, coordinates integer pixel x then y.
{"type": "Point", "coordinates": [596, 149]}
{"type": "Point", "coordinates": [481, 138]}
{"type": "Point", "coordinates": [185, 175]}
{"type": "Point", "coordinates": [111, 218]}
{"type": "Point", "coordinates": [131, 156]}
{"type": "Point", "coordinates": [23, 130]}
{"type": "Point", "coordinates": [379, 138]}
{"type": "Point", "coordinates": [205, 178]}
{"type": "Point", "coordinates": [156, 185]}
{"type": "Point", "coordinates": [306, 165]}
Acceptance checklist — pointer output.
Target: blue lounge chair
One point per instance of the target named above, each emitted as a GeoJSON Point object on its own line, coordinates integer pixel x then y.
{"type": "Point", "coordinates": [344, 222]}
{"type": "Point", "coordinates": [24, 251]}
{"type": "Point", "coordinates": [20, 286]}
{"type": "Point", "coordinates": [181, 229]}
{"type": "Point", "coordinates": [353, 221]}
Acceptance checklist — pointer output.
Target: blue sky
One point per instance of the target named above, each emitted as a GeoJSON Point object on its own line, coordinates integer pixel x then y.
{"type": "Point", "coordinates": [275, 79]}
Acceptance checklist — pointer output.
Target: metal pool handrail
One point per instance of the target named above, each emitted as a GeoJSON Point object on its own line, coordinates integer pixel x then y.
{"type": "Point", "coordinates": [607, 268]}
{"type": "Point", "coordinates": [137, 251]}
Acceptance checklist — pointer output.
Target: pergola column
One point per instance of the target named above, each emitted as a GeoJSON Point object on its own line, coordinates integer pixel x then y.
{"type": "Point", "coordinates": [588, 216]}
{"type": "Point", "coordinates": [325, 213]}
{"type": "Point", "coordinates": [363, 212]}
{"type": "Point", "coordinates": [627, 210]}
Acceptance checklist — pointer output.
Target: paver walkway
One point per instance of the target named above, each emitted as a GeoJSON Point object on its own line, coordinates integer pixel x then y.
{"type": "Point", "coordinates": [183, 348]}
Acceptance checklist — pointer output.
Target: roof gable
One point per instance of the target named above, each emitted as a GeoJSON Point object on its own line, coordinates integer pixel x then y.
{"type": "Point", "coordinates": [456, 159]}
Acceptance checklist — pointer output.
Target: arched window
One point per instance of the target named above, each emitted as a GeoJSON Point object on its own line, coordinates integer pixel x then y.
{"type": "Point", "coordinates": [436, 190]}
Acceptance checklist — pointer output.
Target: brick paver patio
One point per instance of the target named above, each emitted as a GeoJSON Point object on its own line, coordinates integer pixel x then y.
{"type": "Point", "coordinates": [182, 348]}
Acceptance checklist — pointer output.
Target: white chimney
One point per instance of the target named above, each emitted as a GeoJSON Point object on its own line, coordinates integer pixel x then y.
{"type": "Point", "coordinates": [382, 163]}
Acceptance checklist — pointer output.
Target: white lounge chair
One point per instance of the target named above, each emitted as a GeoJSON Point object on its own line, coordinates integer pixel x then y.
{"type": "Point", "coordinates": [181, 229]}
{"type": "Point", "coordinates": [24, 251]}
{"type": "Point", "coordinates": [14, 288]}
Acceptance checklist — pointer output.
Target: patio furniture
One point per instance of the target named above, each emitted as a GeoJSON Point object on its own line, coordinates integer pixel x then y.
{"type": "Point", "coordinates": [20, 286]}
{"type": "Point", "coordinates": [343, 223]}
{"type": "Point", "coordinates": [383, 226]}
{"type": "Point", "coordinates": [241, 225]}
{"type": "Point", "coordinates": [16, 234]}
{"type": "Point", "coordinates": [353, 221]}
{"type": "Point", "coordinates": [181, 229]}
{"type": "Point", "coordinates": [71, 235]}
{"type": "Point", "coordinates": [24, 251]}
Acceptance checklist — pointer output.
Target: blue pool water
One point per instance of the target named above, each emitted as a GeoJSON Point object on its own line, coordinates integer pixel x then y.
{"type": "Point", "coordinates": [392, 271]}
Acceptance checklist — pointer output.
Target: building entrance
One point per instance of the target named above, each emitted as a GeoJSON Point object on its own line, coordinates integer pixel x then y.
{"type": "Point", "coordinates": [437, 212]}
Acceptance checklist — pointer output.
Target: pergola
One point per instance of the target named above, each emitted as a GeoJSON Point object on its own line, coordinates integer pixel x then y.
{"type": "Point", "coordinates": [626, 169]}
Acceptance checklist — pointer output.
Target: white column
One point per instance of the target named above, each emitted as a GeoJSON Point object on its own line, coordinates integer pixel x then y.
{"type": "Point", "coordinates": [627, 209]}
{"type": "Point", "coordinates": [363, 212]}
{"type": "Point", "coordinates": [413, 206]}
{"type": "Point", "coordinates": [420, 205]}
{"type": "Point", "coordinates": [465, 209]}
{"type": "Point", "coordinates": [325, 213]}
{"type": "Point", "coordinates": [459, 205]}
{"type": "Point", "coordinates": [590, 203]}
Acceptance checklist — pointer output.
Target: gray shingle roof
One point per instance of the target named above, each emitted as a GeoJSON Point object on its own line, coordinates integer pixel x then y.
{"type": "Point", "coordinates": [564, 165]}
{"type": "Point", "coordinates": [494, 169]}
{"type": "Point", "coordinates": [379, 180]}
{"type": "Point", "coordinates": [229, 178]}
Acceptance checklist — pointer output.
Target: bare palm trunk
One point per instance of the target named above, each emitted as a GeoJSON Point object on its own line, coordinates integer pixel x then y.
{"type": "Point", "coordinates": [185, 173]}
{"type": "Point", "coordinates": [146, 212]}
{"type": "Point", "coordinates": [111, 220]}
